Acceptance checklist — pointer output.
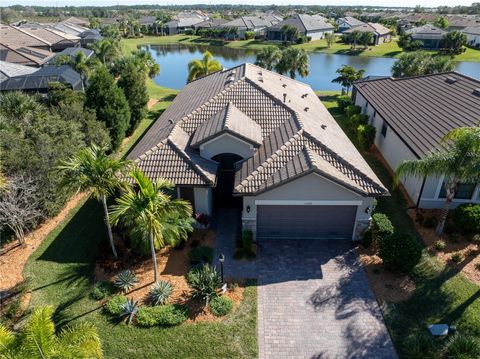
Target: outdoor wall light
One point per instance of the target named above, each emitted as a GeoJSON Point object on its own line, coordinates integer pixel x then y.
{"type": "Point", "coordinates": [248, 209]}
{"type": "Point", "coordinates": [367, 210]}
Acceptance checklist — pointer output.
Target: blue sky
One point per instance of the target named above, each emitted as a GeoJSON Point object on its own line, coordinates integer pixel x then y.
{"type": "Point", "coordinates": [429, 3]}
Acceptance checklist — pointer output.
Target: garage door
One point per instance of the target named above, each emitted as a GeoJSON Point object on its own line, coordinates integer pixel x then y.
{"type": "Point", "coordinates": [305, 222]}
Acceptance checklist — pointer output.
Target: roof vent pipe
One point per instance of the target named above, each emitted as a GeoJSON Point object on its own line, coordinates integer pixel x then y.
{"type": "Point", "coordinates": [284, 97]}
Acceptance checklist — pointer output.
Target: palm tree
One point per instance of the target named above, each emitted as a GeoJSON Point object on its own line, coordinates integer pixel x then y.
{"type": "Point", "coordinates": [79, 63]}
{"type": "Point", "coordinates": [92, 169]}
{"type": "Point", "coordinates": [348, 75]}
{"type": "Point", "coordinates": [355, 37]}
{"type": "Point", "coordinates": [290, 33]}
{"type": "Point", "coordinates": [293, 60]}
{"type": "Point", "coordinates": [268, 58]}
{"type": "Point", "coordinates": [147, 62]}
{"type": "Point", "coordinates": [39, 339]}
{"type": "Point", "coordinates": [206, 65]}
{"type": "Point", "coordinates": [149, 211]}
{"type": "Point", "coordinates": [458, 161]}
{"type": "Point", "coordinates": [106, 50]}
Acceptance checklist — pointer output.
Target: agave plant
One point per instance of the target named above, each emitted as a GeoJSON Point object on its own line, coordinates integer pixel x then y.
{"type": "Point", "coordinates": [130, 309]}
{"type": "Point", "coordinates": [160, 292]}
{"type": "Point", "coordinates": [204, 282]}
{"type": "Point", "coordinates": [126, 280]}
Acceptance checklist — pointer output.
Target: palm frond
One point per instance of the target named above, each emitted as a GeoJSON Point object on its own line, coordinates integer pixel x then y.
{"type": "Point", "coordinates": [80, 341]}
{"type": "Point", "coordinates": [40, 333]}
{"type": "Point", "coordinates": [7, 339]}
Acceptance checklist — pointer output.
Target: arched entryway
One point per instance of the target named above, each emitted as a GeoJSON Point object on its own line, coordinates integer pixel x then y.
{"type": "Point", "coordinates": [222, 193]}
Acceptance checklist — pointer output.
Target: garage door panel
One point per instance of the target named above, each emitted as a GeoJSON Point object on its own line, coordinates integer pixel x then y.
{"type": "Point", "coordinates": [305, 222]}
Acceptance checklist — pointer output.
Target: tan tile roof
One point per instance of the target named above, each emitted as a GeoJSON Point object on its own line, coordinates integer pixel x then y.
{"type": "Point", "coordinates": [291, 119]}
{"type": "Point", "coordinates": [370, 27]}
{"type": "Point", "coordinates": [16, 37]}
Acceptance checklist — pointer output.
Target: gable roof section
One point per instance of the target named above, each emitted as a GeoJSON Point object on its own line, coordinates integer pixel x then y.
{"type": "Point", "coordinates": [472, 30]}
{"type": "Point", "coordinates": [25, 55]}
{"type": "Point", "coordinates": [375, 28]}
{"type": "Point", "coordinates": [228, 120]}
{"type": "Point", "coordinates": [423, 109]}
{"type": "Point", "coordinates": [351, 21]}
{"type": "Point", "coordinates": [304, 23]}
{"type": "Point", "coordinates": [8, 69]}
{"type": "Point", "coordinates": [426, 32]}
{"type": "Point", "coordinates": [16, 37]}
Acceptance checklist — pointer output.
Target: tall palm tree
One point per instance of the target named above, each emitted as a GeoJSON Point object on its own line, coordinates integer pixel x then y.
{"type": "Point", "coordinates": [348, 75]}
{"type": "Point", "coordinates": [206, 65]}
{"type": "Point", "coordinates": [268, 57]}
{"type": "Point", "coordinates": [79, 63]}
{"type": "Point", "coordinates": [106, 50]}
{"type": "Point", "coordinates": [39, 340]}
{"type": "Point", "coordinates": [92, 169]}
{"type": "Point", "coordinates": [294, 60]}
{"type": "Point", "coordinates": [355, 37]}
{"type": "Point", "coordinates": [146, 62]}
{"type": "Point", "coordinates": [458, 161]}
{"type": "Point", "coordinates": [148, 209]}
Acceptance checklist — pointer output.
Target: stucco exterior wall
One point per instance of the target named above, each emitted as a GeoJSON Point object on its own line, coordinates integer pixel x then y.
{"type": "Point", "coordinates": [473, 40]}
{"type": "Point", "coordinates": [311, 189]}
{"type": "Point", "coordinates": [203, 200]}
{"type": "Point", "coordinates": [226, 144]}
{"type": "Point", "coordinates": [318, 35]}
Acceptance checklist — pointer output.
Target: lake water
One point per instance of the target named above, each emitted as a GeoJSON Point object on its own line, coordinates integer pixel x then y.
{"type": "Point", "coordinates": [173, 61]}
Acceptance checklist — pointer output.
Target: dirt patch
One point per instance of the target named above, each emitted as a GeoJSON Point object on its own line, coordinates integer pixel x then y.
{"type": "Point", "coordinates": [387, 286]}
{"type": "Point", "coordinates": [152, 102]}
{"type": "Point", "coordinates": [454, 244]}
{"type": "Point", "coordinates": [173, 266]}
{"type": "Point", "coordinates": [14, 256]}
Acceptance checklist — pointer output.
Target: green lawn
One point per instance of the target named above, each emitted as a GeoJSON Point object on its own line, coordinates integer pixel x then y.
{"type": "Point", "coordinates": [442, 295]}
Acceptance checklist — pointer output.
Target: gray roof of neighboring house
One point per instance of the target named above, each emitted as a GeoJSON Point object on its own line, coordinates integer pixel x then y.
{"type": "Point", "coordinates": [304, 23]}
{"type": "Point", "coordinates": [426, 32]}
{"type": "Point", "coordinates": [51, 35]}
{"type": "Point", "coordinates": [184, 22]}
{"type": "Point", "coordinates": [77, 20]}
{"type": "Point", "coordinates": [251, 22]}
{"type": "Point", "coordinates": [473, 30]}
{"type": "Point", "coordinates": [210, 23]}
{"type": "Point", "coordinates": [288, 129]}
{"type": "Point", "coordinates": [69, 28]}
{"type": "Point", "coordinates": [460, 21]}
{"type": "Point", "coordinates": [8, 70]}
{"type": "Point", "coordinates": [72, 52]}
{"type": "Point", "coordinates": [372, 27]}
{"type": "Point", "coordinates": [39, 80]}
{"type": "Point", "coordinates": [351, 21]}
{"type": "Point", "coordinates": [423, 109]}
{"type": "Point", "coordinates": [228, 120]}
{"type": "Point", "coordinates": [147, 20]}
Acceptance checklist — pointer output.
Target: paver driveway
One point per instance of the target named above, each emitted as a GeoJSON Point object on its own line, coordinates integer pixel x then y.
{"type": "Point", "coordinates": [314, 302]}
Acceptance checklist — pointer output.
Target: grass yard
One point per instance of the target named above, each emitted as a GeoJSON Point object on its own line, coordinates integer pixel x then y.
{"type": "Point", "coordinates": [442, 294]}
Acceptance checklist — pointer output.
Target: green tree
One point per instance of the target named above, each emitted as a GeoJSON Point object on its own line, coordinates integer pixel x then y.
{"type": "Point", "coordinates": [294, 60]}
{"type": "Point", "coordinates": [39, 339]}
{"type": "Point", "coordinates": [441, 22]}
{"type": "Point", "coordinates": [268, 57]}
{"type": "Point", "coordinates": [348, 75]}
{"type": "Point", "coordinates": [148, 209]}
{"type": "Point", "coordinates": [132, 82]}
{"type": "Point", "coordinates": [330, 38]}
{"type": "Point", "coordinates": [290, 33]}
{"type": "Point", "coordinates": [354, 37]}
{"type": "Point", "coordinates": [109, 102]}
{"type": "Point", "coordinates": [454, 41]}
{"type": "Point", "coordinates": [420, 63]}
{"type": "Point", "coordinates": [106, 50]}
{"type": "Point", "coordinates": [205, 66]}
{"type": "Point", "coordinates": [365, 39]}
{"type": "Point", "coordinates": [93, 170]}
{"type": "Point", "coordinates": [458, 161]}
{"type": "Point", "coordinates": [94, 22]}
{"type": "Point", "coordinates": [147, 63]}
{"type": "Point", "coordinates": [79, 63]}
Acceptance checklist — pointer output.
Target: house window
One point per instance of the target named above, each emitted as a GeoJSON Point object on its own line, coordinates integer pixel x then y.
{"type": "Point", "coordinates": [384, 129]}
{"type": "Point", "coordinates": [464, 191]}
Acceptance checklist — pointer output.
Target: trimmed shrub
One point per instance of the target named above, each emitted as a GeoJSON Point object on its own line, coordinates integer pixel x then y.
{"type": "Point", "coordinates": [189, 32]}
{"type": "Point", "coordinates": [359, 119]}
{"type": "Point", "coordinates": [115, 305]}
{"type": "Point", "coordinates": [204, 282]}
{"type": "Point", "coordinates": [462, 346]}
{"type": "Point", "coordinates": [160, 292]}
{"type": "Point", "coordinates": [430, 222]}
{"type": "Point", "coordinates": [201, 254]}
{"type": "Point", "coordinates": [249, 35]}
{"type": "Point", "coordinates": [381, 226]}
{"type": "Point", "coordinates": [400, 252]}
{"type": "Point", "coordinates": [440, 245]}
{"type": "Point", "coordinates": [221, 306]}
{"type": "Point", "coordinates": [126, 280]}
{"type": "Point", "coordinates": [366, 136]}
{"type": "Point", "coordinates": [457, 257]}
{"type": "Point", "coordinates": [367, 238]}
{"type": "Point", "coordinates": [343, 102]}
{"type": "Point", "coordinates": [303, 39]}
{"type": "Point", "coordinates": [351, 110]}
{"type": "Point", "coordinates": [467, 217]}
{"type": "Point", "coordinates": [102, 290]}
{"type": "Point", "coordinates": [162, 315]}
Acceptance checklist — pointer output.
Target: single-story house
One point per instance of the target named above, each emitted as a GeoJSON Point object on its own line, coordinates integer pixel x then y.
{"type": "Point", "coordinates": [72, 53]}
{"type": "Point", "coordinates": [39, 81]}
{"type": "Point", "coordinates": [314, 26]}
{"type": "Point", "coordinates": [89, 37]}
{"type": "Point", "coordinates": [430, 36]}
{"type": "Point", "coordinates": [71, 29]}
{"type": "Point", "coordinates": [8, 70]}
{"type": "Point", "coordinates": [347, 22]}
{"type": "Point", "coordinates": [252, 139]}
{"type": "Point", "coordinates": [15, 37]}
{"type": "Point", "coordinates": [380, 33]}
{"type": "Point", "coordinates": [411, 115]}
{"type": "Point", "coordinates": [57, 39]}
{"type": "Point", "coordinates": [410, 20]}
{"type": "Point", "coordinates": [473, 36]}
{"type": "Point", "coordinates": [250, 23]}
{"type": "Point", "coordinates": [80, 21]}
{"type": "Point", "coordinates": [179, 26]}
{"type": "Point", "coordinates": [24, 55]}
{"type": "Point", "coordinates": [209, 24]}
{"type": "Point", "coordinates": [147, 20]}
{"type": "Point", "coordinates": [460, 22]}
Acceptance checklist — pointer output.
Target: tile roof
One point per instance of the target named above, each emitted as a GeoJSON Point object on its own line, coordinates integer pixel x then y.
{"type": "Point", "coordinates": [423, 109]}
{"type": "Point", "coordinates": [228, 120]}
{"type": "Point", "coordinates": [25, 55]}
{"type": "Point", "coordinates": [350, 21]}
{"type": "Point", "coordinates": [426, 32]}
{"type": "Point", "coordinates": [472, 30]}
{"type": "Point", "coordinates": [378, 29]}
{"type": "Point", "coordinates": [51, 35]}
{"type": "Point", "coordinates": [291, 120]}
{"type": "Point", "coordinates": [16, 37]}
{"type": "Point", "coordinates": [304, 23]}
{"type": "Point", "coordinates": [251, 22]}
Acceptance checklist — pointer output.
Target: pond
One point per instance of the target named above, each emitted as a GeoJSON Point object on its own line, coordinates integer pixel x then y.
{"type": "Point", "coordinates": [173, 61]}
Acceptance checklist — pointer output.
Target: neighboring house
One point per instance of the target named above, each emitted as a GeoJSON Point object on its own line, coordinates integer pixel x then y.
{"type": "Point", "coordinates": [8, 70]}
{"type": "Point", "coordinates": [348, 22]}
{"type": "Point", "coordinates": [380, 33]}
{"type": "Point", "coordinates": [80, 21]}
{"type": "Point", "coordinates": [314, 26]}
{"type": "Point", "coordinates": [71, 29]}
{"type": "Point", "coordinates": [24, 55]}
{"type": "Point", "coordinates": [410, 20]}
{"type": "Point", "coordinates": [57, 39]}
{"type": "Point", "coordinates": [430, 36]}
{"type": "Point", "coordinates": [179, 26]}
{"type": "Point", "coordinates": [250, 23]}
{"type": "Point", "coordinates": [89, 37]}
{"type": "Point", "coordinates": [473, 36]}
{"type": "Point", "coordinates": [458, 22]}
{"type": "Point", "coordinates": [411, 115]}
{"type": "Point", "coordinates": [15, 37]}
{"type": "Point", "coordinates": [209, 24]}
{"type": "Point", "coordinates": [250, 138]}
{"type": "Point", "coordinates": [72, 53]}
{"type": "Point", "coordinates": [147, 21]}
{"type": "Point", "coordinates": [39, 81]}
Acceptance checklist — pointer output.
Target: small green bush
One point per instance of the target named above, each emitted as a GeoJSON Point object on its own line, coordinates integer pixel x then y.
{"type": "Point", "coordinates": [430, 222]}
{"type": "Point", "coordinates": [352, 110]}
{"type": "Point", "coordinates": [467, 217]}
{"type": "Point", "coordinates": [367, 238]}
{"type": "Point", "coordinates": [419, 346]}
{"type": "Point", "coordinates": [221, 306]}
{"type": "Point", "coordinates": [162, 315]}
{"type": "Point", "coordinates": [440, 245]}
{"type": "Point", "coordinates": [160, 292]}
{"type": "Point", "coordinates": [457, 257]}
{"type": "Point", "coordinates": [359, 119]}
{"type": "Point", "coordinates": [102, 290]}
{"type": "Point", "coordinates": [366, 136]}
{"type": "Point", "coordinates": [115, 305]}
{"type": "Point", "coordinates": [189, 32]}
{"type": "Point", "coordinates": [400, 252]}
{"type": "Point", "coordinates": [249, 35]}
{"type": "Point", "coordinates": [343, 102]}
{"type": "Point", "coordinates": [201, 254]}
{"type": "Point", "coordinates": [462, 346]}
{"type": "Point", "coordinates": [204, 282]}
{"type": "Point", "coordinates": [381, 226]}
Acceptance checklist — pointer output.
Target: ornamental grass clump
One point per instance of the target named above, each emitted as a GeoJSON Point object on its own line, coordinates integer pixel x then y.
{"type": "Point", "coordinates": [126, 280]}
{"type": "Point", "coordinates": [160, 292]}
{"type": "Point", "coordinates": [204, 282]}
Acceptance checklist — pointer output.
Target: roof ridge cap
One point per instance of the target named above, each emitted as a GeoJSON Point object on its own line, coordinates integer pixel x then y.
{"type": "Point", "coordinates": [32, 35]}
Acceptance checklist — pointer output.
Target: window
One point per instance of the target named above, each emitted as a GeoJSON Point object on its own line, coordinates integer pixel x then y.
{"type": "Point", "coordinates": [384, 129]}
{"type": "Point", "coordinates": [464, 191]}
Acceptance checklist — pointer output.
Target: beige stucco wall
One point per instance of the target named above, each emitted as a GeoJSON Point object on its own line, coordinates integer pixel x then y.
{"type": "Point", "coordinates": [226, 144]}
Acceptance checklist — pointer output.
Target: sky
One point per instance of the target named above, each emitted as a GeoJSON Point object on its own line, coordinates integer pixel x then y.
{"type": "Point", "coordinates": [411, 3]}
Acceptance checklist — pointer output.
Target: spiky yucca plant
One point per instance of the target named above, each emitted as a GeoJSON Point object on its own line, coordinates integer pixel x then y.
{"type": "Point", "coordinates": [126, 280]}
{"type": "Point", "coordinates": [130, 309]}
{"type": "Point", "coordinates": [160, 292]}
{"type": "Point", "coordinates": [204, 282]}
